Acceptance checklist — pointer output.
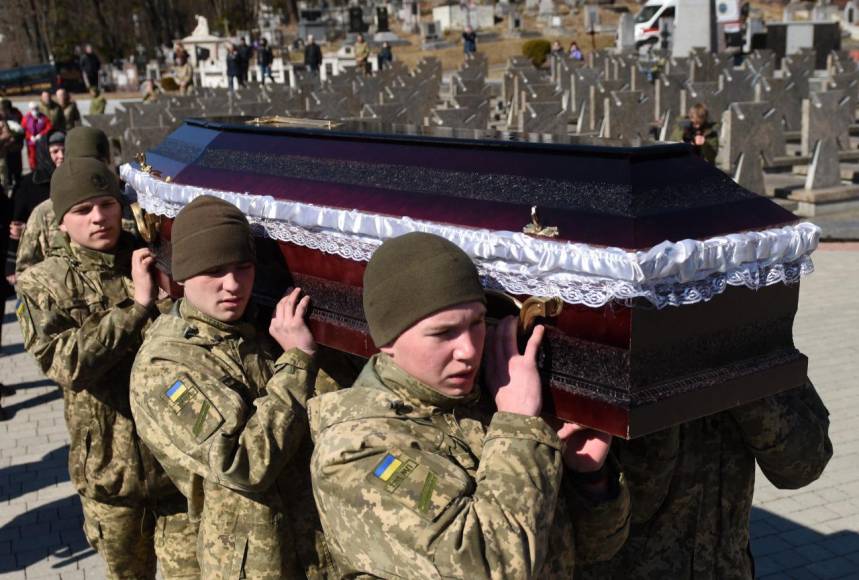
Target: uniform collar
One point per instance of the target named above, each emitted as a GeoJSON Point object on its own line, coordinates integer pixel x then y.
{"type": "Point", "coordinates": [118, 259]}
{"type": "Point", "coordinates": [416, 392]}
{"type": "Point", "coordinates": [205, 326]}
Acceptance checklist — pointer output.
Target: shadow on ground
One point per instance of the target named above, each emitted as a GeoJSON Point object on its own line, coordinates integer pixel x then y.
{"type": "Point", "coordinates": [11, 410]}
{"type": "Point", "coordinates": [786, 549]}
{"type": "Point", "coordinates": [12, 349]}
{"type": "Point", "coordinates": [11, 389]}
{"type": "Point", "coordinates": [52, 532]}
{"type": "Point", "coordinates": [24, 478]}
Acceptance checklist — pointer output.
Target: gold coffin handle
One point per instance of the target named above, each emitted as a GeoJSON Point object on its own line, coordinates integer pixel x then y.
{"type": "Point", "coordinates": [147, 224]}
{"type": "Point", "coordinates": [531, 309]}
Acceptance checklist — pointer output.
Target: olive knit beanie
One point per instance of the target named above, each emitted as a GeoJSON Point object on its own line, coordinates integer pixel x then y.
{"type": "Point", "coordinates": [78, 180]}
{"type": "Point", "coordinates": [209, 232]}
{"type": "Point", "coordinates": [412, 276]}
{"type": "Point", "coordinates": [87, 142]}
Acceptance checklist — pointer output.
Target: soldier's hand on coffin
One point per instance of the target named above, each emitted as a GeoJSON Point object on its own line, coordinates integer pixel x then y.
{"type": "Point", "coordinates": [145, 288]}
{"type": "Point", "coordinates": [288, 326]}
{"type": "Point", "coordinates": [585, 449]}
{"type": "Point", "coordinates": [512, 378]}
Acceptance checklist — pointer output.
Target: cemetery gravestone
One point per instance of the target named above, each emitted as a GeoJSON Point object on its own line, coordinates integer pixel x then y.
{"type": "Point", "coordinates": [751, 137]}
{"type": "Point", "coordinates": [627, 116]}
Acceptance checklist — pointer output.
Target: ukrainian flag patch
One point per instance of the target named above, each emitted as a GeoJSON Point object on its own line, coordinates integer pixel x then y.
{"type": "Point", "coordinates": [387, 467]}
{"type": "Point", "coordinates": [28, 329]}
{"type": "Point", "coordinates": [393, 471]}
{"type": "Point", "coordinates": [177, 393]}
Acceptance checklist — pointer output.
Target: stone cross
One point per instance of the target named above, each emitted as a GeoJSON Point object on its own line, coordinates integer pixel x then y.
{"type": "Point", "coordinates": [628, 115]}
{"type": "Point", "coordinates": [845, 81]}
{"type": "Point", "coordinates": [826, 116]}
{"type": "Point", "coordinates": [707, 93]}
{"type": "Point", "coordinates": [798, 66]}
{"type": "Point", "coordinates": [785, 95]}
{"type": "Point", "coordinates": [461, 118]}
{"type": "Point", "coordinates": [840, 61]}
{"type": "Point", "coordinates": [596, 103]}
{"type": "Point", "coordinates": [751, 137]}
{"type": "Point", "coordinates": [545, 117]}
{"type": "Point", "coordinates": [677, 65]}
{"type": "Point", "coordinates": [580, 88]}
{"type": "Point", "coordinates": [707, 66]}
{"type": "Point", "coordinates": [737, 86]}
{"type": "Point", "coordinates": [668, 91]}
{"type": "Point", "coordinates": [762, 62]}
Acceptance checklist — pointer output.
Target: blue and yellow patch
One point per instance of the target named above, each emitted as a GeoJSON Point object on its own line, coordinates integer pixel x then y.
{"type": "Point", "coordinates": [387, 467]}
{"type": "Point", "coordinates": [393, 471]}
{"type": "Point", "coordinates": [28, 329]}
{"type": "Point", "coordinates": [178, 393]}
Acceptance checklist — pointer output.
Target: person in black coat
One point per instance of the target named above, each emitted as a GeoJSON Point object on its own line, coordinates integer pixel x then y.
{"type": "Point", "coordinates": [264, 59]}
{"type": "Point", "coordinates": [312, 55]}
{"type": "Point", "coordinates": [233, 67]}
{"type": "Point", "coordinates": [386, 55]}
{"type": "Point", "coordinates": [243, 60]}
{"type": "Point", "coordinates": [34, 188]}
{"type": "Point", "coordinates": [90, 65]}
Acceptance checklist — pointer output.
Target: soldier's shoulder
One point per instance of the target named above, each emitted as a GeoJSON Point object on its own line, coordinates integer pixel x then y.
{"type": "Point", "coordinates": [43, 210]}
{"type": "Point", "coordinates": [353, 404]}
{"type": "Point", "coordinates": [40, 278]}
{"type": "Point", "coordinates": [166, 336]}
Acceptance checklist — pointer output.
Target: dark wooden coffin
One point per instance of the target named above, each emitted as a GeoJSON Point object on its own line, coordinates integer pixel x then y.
{"type": "Point", "coordinates": [660, 351]}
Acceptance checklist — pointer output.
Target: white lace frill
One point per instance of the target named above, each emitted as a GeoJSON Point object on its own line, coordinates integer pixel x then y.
{"type": "Point", "coordinates": [670, 273]}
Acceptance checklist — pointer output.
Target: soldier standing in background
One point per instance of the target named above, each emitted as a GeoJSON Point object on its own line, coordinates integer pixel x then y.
{"type": "Point", "coordinates": [54, 112]}
{"type": "Point", "coordinates": [224, 415]}
{"type": "Point", "coordinates": [71, 114]}
{"type": "Point", "coordinates": [82, 313]}
{"type": "Point", "coordinates": [415, 477]}
{"type": "Point", "coordinates": [98, 104]}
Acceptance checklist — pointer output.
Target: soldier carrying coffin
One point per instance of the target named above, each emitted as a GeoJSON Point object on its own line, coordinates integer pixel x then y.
{"type": "Point", "coordinates": [415, 476]}
{"type": "Point", "coordinates": [82, 312]}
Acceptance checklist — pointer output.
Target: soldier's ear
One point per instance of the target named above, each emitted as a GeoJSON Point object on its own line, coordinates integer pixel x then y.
{"type": "Point", "coordinates": [63, 228]}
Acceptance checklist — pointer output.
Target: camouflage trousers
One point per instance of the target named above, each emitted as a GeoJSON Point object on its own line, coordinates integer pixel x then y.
{"type": "Point", "coordinates": [130, 539]}
{"type": "Point", "coordinates": [229, 551]}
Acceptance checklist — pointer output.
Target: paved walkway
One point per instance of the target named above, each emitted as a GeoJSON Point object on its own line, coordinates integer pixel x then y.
{"type": "Point", "coordinates": [808, 533]}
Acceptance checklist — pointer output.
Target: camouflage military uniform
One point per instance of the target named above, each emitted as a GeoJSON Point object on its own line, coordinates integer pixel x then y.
{"type": "Point", "coordinates": [37, 238]}
{"type": "Point", "coordinates": [692, 486]}
{"type": "Point", "coordinates": [228, 424]}
{"type": "Point", "coordinates": [79, 320]}
{"type": "Point", "coordinates": [411, 483]}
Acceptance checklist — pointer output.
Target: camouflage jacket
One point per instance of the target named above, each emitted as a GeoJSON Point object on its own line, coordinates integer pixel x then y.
{"type": "Point", "coordinates": [38, 237]}
{"type": "Point", "coordinates": [411, 483]}
{"type": "Point", "coordinates": [692, 486]}
{"type": "Point", "coordinates": [228, 423]}
{"type": "Point", "coordinates": [79, 320]}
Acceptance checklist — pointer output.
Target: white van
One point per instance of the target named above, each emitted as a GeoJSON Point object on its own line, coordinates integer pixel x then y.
{"type": "Point", "coordinates": [647, 19]}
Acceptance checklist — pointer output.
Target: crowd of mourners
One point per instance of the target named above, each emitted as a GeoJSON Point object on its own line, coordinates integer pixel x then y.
{"type": "Point", "coordinates": [213, 441]}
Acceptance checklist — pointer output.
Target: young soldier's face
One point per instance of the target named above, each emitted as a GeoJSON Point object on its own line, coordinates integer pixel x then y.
{"type": "Point", "coordinates": [95, 223]}
{"type": "Point", "coordinates": [444, 349]}
{"type": "Point", "coordinates": [222, 293]}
